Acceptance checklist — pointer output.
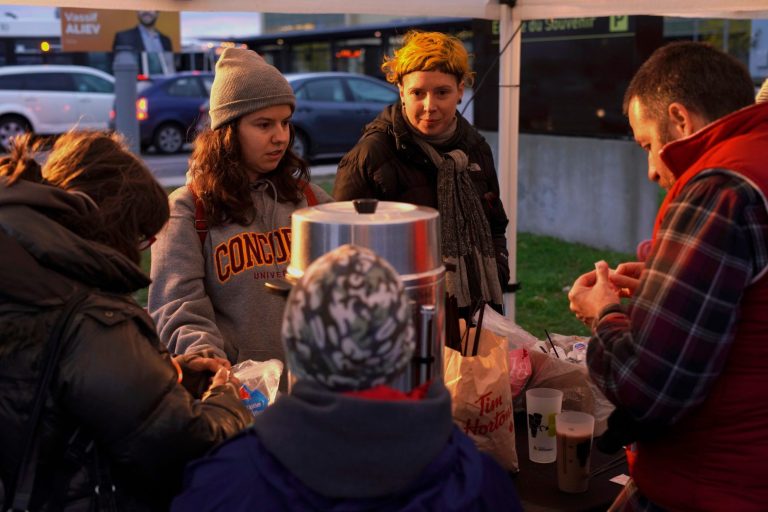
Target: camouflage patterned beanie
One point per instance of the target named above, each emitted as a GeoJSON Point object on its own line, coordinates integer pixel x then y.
{"type": "Point", "coordinates": [347, 324]}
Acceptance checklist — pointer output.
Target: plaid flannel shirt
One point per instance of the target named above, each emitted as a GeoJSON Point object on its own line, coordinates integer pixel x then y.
{"type": "Point", "coordinates": [661, 358]}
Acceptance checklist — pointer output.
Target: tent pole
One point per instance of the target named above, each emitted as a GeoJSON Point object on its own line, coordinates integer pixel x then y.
{"type": "Point", "coordinates": [509, 124]}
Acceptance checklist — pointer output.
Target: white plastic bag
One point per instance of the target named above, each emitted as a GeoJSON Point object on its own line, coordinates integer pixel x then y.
{"type": "Point", "coordinates": [516, 336]}
{"type": "Point", "coordinates": [260, 380]}
{"type": "Point", "coordinates": [518, 342]}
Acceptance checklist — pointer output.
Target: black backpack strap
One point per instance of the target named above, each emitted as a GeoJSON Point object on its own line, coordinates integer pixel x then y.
{"type": "Point", "coordinates": [25, 477]}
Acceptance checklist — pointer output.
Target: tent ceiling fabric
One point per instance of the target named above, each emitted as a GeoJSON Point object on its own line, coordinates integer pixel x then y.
{"type": "Point", "coordinates": [488, 9]}
{"type": "Point", "coordinates": [542, 9]}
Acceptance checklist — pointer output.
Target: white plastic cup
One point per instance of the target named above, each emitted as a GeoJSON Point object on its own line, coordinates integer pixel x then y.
{"type": "Point", "coordinates": [574, 447]}
{"type": "Point", "coordinates": [542, 405]}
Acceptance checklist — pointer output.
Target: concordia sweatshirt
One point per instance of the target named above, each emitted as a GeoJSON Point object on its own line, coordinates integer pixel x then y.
{"type": "Point", "coordinates": [213, 298]}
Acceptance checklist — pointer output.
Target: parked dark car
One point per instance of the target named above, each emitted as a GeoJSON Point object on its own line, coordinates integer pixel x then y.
{"type": "Point", "coordinates": [168, 107]}
{"type": "Point", "coordinates": [332, 108]}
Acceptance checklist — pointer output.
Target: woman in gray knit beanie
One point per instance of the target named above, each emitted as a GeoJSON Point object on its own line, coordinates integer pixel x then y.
{"type": "Point", "coordinates": [244, 183]}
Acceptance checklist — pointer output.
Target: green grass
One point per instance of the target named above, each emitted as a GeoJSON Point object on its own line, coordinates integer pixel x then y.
{"type": "Point", "coordinates": [141, 295]}
{"type": "Point", "coordinates": [326, 182]}
{"type": "Point", "coordinates": [546, 267]}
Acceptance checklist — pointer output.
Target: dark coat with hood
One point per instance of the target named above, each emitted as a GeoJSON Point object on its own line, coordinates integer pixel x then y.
{"type": "Point", "coordinates": [387, 164]}
{"type": "Point", "coordinates": [114, 381]}
{"type": "Point", "coordinates": [317, 449]}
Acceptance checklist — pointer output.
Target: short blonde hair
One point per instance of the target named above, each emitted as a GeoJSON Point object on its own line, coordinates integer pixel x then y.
{"type": "Point", "coordinates": [429, 51]}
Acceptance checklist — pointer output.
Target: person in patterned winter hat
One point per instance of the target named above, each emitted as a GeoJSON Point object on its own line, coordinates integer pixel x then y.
{"type": "Point", "coordinates": [347, 324]}
{"type": "Point", "coordinates": [343, 438]}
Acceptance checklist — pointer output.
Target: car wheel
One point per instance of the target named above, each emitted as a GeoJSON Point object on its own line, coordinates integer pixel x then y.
{"type": "Point", "coordinates": [300, 145]}
{"type": "Point", "coordinates": [168, 138]}
{"type": "Point", "coordinates": [10, 127]}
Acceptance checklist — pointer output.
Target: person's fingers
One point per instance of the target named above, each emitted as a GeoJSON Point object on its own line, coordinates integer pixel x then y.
{"type": "Point", "coordinates": [583, 281]}
{"type": "Point", "coordinates": [631, 269]}
{"type": "Point", "coordinates": [221, 378]}
{"type": "Point", "coordinates": [588, 279]}
{"type": "Point", "coordinates": [623, 281]}
{"type": "Point", "coordinates": [177, 366]}
{"type": "Point", "coordinates": [211, 364]}
{"type": "Point", "coordinates": [223, 362]}
{"type": "Point", "coordinates": [602, 270]}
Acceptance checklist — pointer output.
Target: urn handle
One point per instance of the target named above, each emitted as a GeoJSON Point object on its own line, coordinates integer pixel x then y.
{"type": "Point", "coordinates": [365, 205]}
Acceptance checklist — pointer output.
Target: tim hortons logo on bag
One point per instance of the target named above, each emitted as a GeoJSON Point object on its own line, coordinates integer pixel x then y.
{"type": "Point", "coordinates": [488, 406]}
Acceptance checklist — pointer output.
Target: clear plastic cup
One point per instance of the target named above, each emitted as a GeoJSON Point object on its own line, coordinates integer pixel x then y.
{"type": "Point", "coordinates": [542, 404]}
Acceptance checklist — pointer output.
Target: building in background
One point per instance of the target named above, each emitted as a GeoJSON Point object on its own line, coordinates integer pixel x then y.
{"type": "Point", "coordinates": [574, 70]}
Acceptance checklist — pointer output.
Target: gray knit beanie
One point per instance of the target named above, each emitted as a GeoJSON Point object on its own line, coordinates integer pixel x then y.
{"type": "Point", "coordinates": [244, 82]}
{"type": "Point", "coordinates": [347, 324]}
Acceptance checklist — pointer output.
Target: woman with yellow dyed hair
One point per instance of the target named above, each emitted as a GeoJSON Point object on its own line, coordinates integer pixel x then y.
{"type": "Point", "coordinates": [421, 150]}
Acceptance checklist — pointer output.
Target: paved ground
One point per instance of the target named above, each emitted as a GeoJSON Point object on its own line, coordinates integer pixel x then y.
{"type": "Point", "coordinates": [170, 169]}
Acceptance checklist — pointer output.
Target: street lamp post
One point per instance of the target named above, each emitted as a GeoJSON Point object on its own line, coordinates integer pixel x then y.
{"type": "Point", "coordinates": [125, 69]}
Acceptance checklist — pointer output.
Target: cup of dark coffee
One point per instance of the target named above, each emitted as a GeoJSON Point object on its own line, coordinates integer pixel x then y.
{"type": "Point", "coordinates": [574, 432]}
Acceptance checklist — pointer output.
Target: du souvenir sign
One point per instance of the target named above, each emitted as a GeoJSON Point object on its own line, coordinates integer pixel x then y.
{"type": "Point", "coordinates": [94, 30]}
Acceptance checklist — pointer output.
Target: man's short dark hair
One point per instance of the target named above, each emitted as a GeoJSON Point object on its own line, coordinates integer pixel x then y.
{"type": "Point", "coordinates": [702, 78]}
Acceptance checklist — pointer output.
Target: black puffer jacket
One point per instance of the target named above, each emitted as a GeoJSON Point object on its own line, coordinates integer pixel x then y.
{"type": "Point", "coordinates": [114, 380]}
{"type": "Point", "coordinates": [387, 164]}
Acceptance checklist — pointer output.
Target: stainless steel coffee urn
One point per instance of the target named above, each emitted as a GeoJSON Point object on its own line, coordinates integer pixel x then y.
{"type": "Point", "coordinates": [408, 237]}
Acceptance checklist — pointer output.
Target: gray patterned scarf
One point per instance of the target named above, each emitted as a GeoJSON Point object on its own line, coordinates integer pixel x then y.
{"type": "Point", "coordinates": [467, 245]}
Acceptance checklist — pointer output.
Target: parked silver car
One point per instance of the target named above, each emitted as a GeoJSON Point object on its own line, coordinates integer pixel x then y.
{"type": "Point", "coordinates": [51, 99]}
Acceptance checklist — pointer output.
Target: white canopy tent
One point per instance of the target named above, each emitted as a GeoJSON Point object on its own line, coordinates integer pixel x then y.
{"type": "Point", "coordinates": [509, 18]}
{"type": "Point", "coordinates": [488, 9]}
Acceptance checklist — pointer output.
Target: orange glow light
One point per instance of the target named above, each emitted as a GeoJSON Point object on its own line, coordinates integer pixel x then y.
{"type": "Point", "coordinates": [142, 109]}
{"type": "Point", "coordinates": [348, 54]}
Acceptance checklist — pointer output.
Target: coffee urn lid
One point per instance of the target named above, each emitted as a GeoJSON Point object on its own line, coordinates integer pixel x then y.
{"type": "Point", "coordinates": [346, 212]}
{"type": "Point", "coordinates": [404, 234]}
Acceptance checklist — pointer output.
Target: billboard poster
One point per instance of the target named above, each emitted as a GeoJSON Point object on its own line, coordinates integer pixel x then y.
{"type": "Point", "coordinates": [98, 30]}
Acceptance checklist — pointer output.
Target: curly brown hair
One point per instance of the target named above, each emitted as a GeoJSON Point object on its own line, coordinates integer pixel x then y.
{"type": "Point", "coordinates": [132, 204]}
{"type": "Point", "coordinates": [221, 182]}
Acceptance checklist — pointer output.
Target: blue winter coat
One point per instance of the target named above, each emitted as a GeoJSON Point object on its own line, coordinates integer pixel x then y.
{"type": "Point", "coordinates": [249, 472]}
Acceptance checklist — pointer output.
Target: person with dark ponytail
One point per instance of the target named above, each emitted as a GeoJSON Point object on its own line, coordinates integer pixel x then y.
{"type": "Point", "coordinates": [112, 422]}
